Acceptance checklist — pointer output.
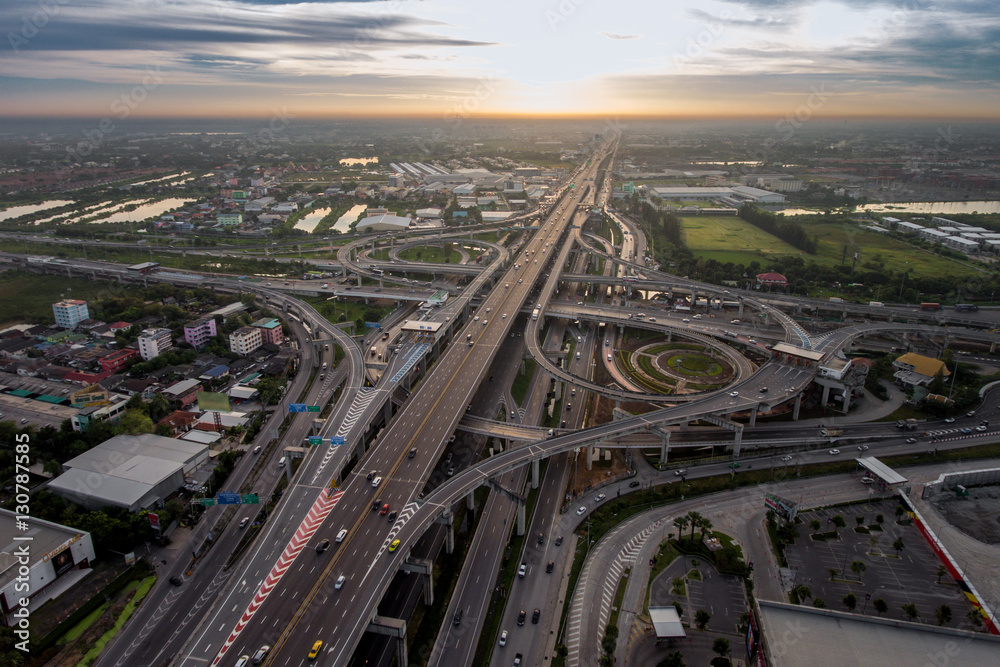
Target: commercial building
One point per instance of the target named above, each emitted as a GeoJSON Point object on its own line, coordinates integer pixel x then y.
{"type": "Point", "coordinates": [185, 392]}
{"type": "Point", "coordinates": [110, 411]}
{"type": "Point", "coordinates": [245, 340]}
{"type": "Point", "coordinates": [57, 557]}
{"type": "Point", "coordinates": [917, 370]}
{"type": "Point", "coordinates": [198, 332]}
{"type": "Point", "coordinates": [70, 312]}
{"type": "Point", "coordinates": [959, 243]}
{"type": "Point", "coordinates": [383, 223]}
{"type": "Point", "coordinates": [153, 342]}
{"type": "Point", "coordinates": [117, 360]}
{"type": "Point", "coordinates": [776, 182]}
{"type": "Point", "coordinates": [229, 219]}
{"type": "Point", "coordinates": [771, 280]}
{"type": "Point", "coordinates": [909, 227]}
{"type": "Point", "coordinates": [270, 330]}
{"type": "Point", "coordinates": [133, 472]}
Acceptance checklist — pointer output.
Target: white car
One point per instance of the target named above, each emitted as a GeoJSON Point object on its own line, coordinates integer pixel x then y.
{"type": "Point", "coordinates": [734, 394]}
{"type": "Point", "coordinates": [681, 471]}
{"type": "Point", "coordinates": [600, 497]}
{"type": "Point", "coordinates": [981, 427]}
{"type": "Point", "coordinates": [581, 510]}
{"type": "Point", "coordinates": [523, 570]}
{"type": "Point", "coordinates": [787, 457]}
{"type": "Point", "coordinates": [685, 320]}
{"type": "Point", "coordinates": [503, 638]}
{"type": "Point", "coordinates": [834, 452]}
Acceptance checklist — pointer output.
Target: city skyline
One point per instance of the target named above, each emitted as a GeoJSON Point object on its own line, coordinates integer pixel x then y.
{"type": "Point", "coordinates": [444, 58]}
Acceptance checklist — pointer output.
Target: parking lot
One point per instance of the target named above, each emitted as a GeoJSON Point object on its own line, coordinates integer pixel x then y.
{"type": "Point", "coordinates": [909, 575]}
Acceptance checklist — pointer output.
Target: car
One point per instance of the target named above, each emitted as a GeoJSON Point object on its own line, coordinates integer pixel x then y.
{"type": "Point", "coordinates": [485, 322]}
{"type": "Point", "coordinates": [541, 539]}
{"type": "Point", "coordinates": [834, 452]}
{"type": "Point", "coordinates": [24, 420]}
{"type": "Point", "coordinates": [243, 661]}
{"type": "Point", "coordinates": [559, 540]}
{"type": "Point", "coordinates": [600, 497]}
{"type": "Point", "coordinates": [970, 413]}
{"type": "Point", "coordinates": [734, 394]}
{"type": "Point", "coordinates": [376, 482]}
{"type": "Point", "coordinates": [244, 521]}
{"type": "Point", "coordinates": [371, 475]}
{"type": "Point", "coordinates": [633, 484]}
{"type": "Point", "coordinates": [685, 320]}
{"type": "Point", "coordinates": [317, 647]}
{"type": "Point", "coordinates": [340, 582]}
{"type": "Point", "coordinates": [385, 509]}
{"type": "Point", "coordinates": [679, 472]}
{"type": "Point", "coordinates": [458, 617]}
{"type": "Point", "coordinates": [261, 653]}
{"type": "Point", "coordinates": [503, 316]}
{"type": "Point", "coordinates": [763, 390]}
{"type": "Point", "coordinates": [786, 457]}
{"type": "Point", "coordinates": [394, 545]}
{"type": "Point", "coordinates": [520, 617]}
{"type": "Point", "coordinates": [518, 658]}
{"type": "Point", "coordinates": [392, 516]}
{"type": "Point", "coordinates": [581, 510]}
{"type": "Point", "coordinates": [256, 450]}
{"type": "Point", "coordinates": [535, 615]}
{"type": "Point", "coordinates": [966, 431]}
{"type": "Point", "coordinates": [503, 638]}
{"type": "Point", "coordinates": [176, 581]}
{"type": "Point", "coordinates": [476, 318]}
{"type": "Point", "coordinates": [342, 534]}
{"type": "Point", "coordinates": [949, 420]}
{"type": "Point", "coordinates": [523, 570]}
{"type": "Point", "coordinates": [550, 566]}
{"type": "Point", "coordinates": [322, 546]}
{"type": "Point", "coordinates": [862, 448]}
{"type": "Point", "coordinates": [981, 427]}
{"type": "Point", "coordinates": [910, 441]}
{"type": "Point", "coordinates": [450, 471]}
{"type": "Point", "coordinates": [413, 452]}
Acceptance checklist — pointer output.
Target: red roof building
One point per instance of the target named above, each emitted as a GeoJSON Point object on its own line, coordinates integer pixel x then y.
{"type": "Point", "coordinates": [771, 280]}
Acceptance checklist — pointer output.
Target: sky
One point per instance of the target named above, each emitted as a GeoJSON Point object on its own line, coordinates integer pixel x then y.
{"type": "Point", "coordinates": [460, 58]}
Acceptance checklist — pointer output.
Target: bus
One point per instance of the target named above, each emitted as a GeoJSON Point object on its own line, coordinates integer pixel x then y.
{"type": "Point", "coordinates": [930, 306]}
{"type": "Point", "coordinates": [967, 307]}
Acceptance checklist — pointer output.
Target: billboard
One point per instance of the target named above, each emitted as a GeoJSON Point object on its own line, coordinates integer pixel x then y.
{"type": "Point", "coordinates": [786, 509]}
{"type": "Point", "coordinates": [210, 400]}
{"type": "Point", "coordinates": [63, 562]}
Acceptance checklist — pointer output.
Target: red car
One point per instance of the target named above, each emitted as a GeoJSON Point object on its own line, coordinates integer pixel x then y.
{"type": "Point", "coordinates": [385, 509]}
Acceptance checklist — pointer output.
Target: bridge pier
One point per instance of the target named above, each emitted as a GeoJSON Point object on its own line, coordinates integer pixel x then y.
{"type": "Point", "coordinates": [740, 315]}
{"type": "Point", "coordinates": [753, 416]}
{"type": "Point", "coordinates": [588, 451]}
{"type": "Point", "coordinates": [738, 441]}
{"type": "Point", "coordinates": [535, 470]}
{"type": "Point", "coordinates": [664, 446]}
{"type": "Point", "coordinates": [993, 347]}
{"type": "Point", "coordinates": [426, 568]}
{"type": "Point", "coordinates": [392, 627]}
{"type": "Point", "coordinates": [521, 516]}
{"type": "Point", "coordinates": [387, 411]}
{"type": "Point", "coordinates": [795, 408]}
{"type": "Point", "coordinates": [470, 500]}
{"type": "Point", "coordinates": [448, 519]}
{"type": "Point", "coordinates": [826, 395]}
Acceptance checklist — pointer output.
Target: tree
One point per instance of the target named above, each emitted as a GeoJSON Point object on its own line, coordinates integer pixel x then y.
{"type": "Point", "coordinates": [898, 545]}
{"type": "Point", "coordinates": [721, 646]}
{"type": "Point", "coordinates": [134, 422]}
{"type": "Point", "coordinates": [910, 610]}
{"type": "Point", "coordinates": [681, 523]}
{"type": "Point", "coordinates": [858, 568]}
{"type": "Point", "coordinates": [879, 519]}
{"type": "Point", "coordinates": [800, 593]}
{"type": "Point", "coordinates": [975, 618]}
{"type": "Point", "coordinates": [834, 572]}
{"type": "Point", "coordinates": [706, 526]}
{"type": "Point", "coordinates": [899, 511]}
{"type": "Point", "coordinates": [675, 659]}
{"type": "Point", "coordinates": [159, 407]}
{"type": "Point", "coordinates": [695, 518]}
{"type": "Point", "coordinates": [860, 520]}
{"type": "Point", "coordinates": [815, 524]}
{"type": "Point", "coordinates": [819, 604]}
{"type": "Point", "coordinates": [838, 521]}
{"type": "Point", "coordinates": [941, 571]}
{"type": "Point", "coordinates": [943, 614]}
{"type": "Point", "coordinates": [850, 601]}
{"type": "Point", "coordinates": [701, 618]}
{"type": "Point", "coordinates": [880, 606]}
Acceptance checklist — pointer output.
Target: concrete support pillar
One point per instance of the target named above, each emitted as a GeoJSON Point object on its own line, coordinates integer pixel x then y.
{"type": "Point", "coordinates": [826, 395]}
{"type": "Point", "coordinates": [741, 309]}
{"type": "Point", "coordinates": [423, 567]}
{"type": "Point", "coordinates": [589, 453]}
{"type": "Point", "coordinates": [664, 446]}
{"type": "Point", "coordinates": [521, 516]}
{"type": "Point", "coordinates": [947, 341]}
{"type": "Point", "coordinates": [795, 409]}
{"type": "Point", "coordinates": [753, 417]}
{"type": "Point", "coordinates": [993, 347]}
{"type": "Point", "coordinates": [448, 519]}
{"type": "Point", "coordinates": [847, 401]}
{"type": "Point", "coordinates": [535, 471]}
{"type": "Point", "coordinates": [738, 441]}
{"type": "Point", "coordinates": [387, 411]}
{"type": "Point", "coordinates": [470, 500]}
{"type": "Point", "coordinates": [392, 627]}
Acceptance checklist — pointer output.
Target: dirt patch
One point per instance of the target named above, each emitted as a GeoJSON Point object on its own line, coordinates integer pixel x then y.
{"type": "Point", "coordinates": [978, 515]}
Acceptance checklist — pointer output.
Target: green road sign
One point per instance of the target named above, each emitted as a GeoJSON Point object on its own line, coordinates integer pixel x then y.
{"type": "Point", "coordinates": [206, 502]}
{"type": "Point", "coordinates": [315, 440]}
{"type": "Point", "coordinates": [250, 499]}
{"type": "Point", "coordinates": [312, 408]}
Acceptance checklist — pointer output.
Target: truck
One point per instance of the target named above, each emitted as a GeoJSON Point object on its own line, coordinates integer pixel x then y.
{"type": "Point", "coordinates": [836, 299]}
{"type": "Point", "coordinates": [967, 307]}
{"type": "Point", "coordinates": [535, 313]}
{"type": "Point", "coordinates": [930, 306]}
{"type": "Point", "coordinates": [876, 304]}
{"type": "Point", "coordinates": [831, 432]}
{"type": "Point", "coordinates": [907, 424]}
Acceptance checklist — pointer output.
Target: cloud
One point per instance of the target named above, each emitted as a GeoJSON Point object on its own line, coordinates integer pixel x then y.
{"type": "Point", "coordinates": [615, 35]}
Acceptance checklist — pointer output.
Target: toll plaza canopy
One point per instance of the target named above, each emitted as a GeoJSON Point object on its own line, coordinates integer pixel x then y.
{"type": "Point", "coordinates": [796, 351]}
{"type": "Point", "coordinates": [880, 470]}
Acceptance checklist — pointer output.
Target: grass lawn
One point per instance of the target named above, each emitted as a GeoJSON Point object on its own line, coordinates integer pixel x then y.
{"type": "Point", "coordinates": [727, 238]}
{"type": "Point", "coordinates": [29, 297]}
{"type": "Point", "coordinates": [432, 254]}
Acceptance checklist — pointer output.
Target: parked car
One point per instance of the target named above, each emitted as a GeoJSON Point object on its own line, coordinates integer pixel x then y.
{"type": "Point", "coordinates": [633, 484]}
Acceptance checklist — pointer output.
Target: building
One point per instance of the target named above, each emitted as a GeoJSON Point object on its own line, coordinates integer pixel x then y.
{"type": "Point", "coordinates": [429, 213]}
{"type": "Point", "coordinates": [117, 360]}
{"type": "Point", "coordinates": [111, 411]}
{"type": "Point", "coordinates": [770, 280]}
{"type": "Point", "coordinates": [56, 558]}
{"type": "Point", "coordinates": [383, 223]}
{"type": "Point", "coordinates": [909, 227]}
{"type": "Point", "coordinates": [932, 234]}
{"type": "Point", "coordinates": [245, 340]}
{"type": "Point", "coordinates": [258, 205]}
{"type": "Point", "coordinates": [198, 332]}
{"type": "Point", "coordinates": [756, 195]}
{"type": "Point", "coordinates": [229, 219]}
{"type": "Point", "coordinates": [270, 330]}
{"type": "Point", "coordinates": [134, 472]}
{"type": "Point", "coordinates": [70, 312]}
{"type": "Point", "coordinates": [185, 392]}
{"type": "Point", "coordinates": [776, 182]}
{"type": "Point", "coordinates": [153, 342]}
{"type": "Point", "coordinates": [959, 243]}
{"type": "Point", "coordinates": [917, 370]}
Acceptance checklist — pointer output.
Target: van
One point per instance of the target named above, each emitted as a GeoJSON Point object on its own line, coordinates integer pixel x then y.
{"type": "Point", "coordinates": [609, 356]}
{"type": "Point", "coordinates": [341, 535]}
{"type": "Point", "coordinates": [281, 462]}
{"type": "Point", "coordinates": [577, 355]}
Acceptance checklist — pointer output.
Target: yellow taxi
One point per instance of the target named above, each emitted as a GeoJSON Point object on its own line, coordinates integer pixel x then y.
{"type": "Point", "coordinates": [317, 647]}
{"type": "Point", "coordinates": [394, 545]}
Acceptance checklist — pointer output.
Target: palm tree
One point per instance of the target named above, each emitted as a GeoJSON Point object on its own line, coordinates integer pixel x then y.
{"type": "Point", "coordinates": [721, 646]}
{"type": "Point", "coordinates": [975, 617]}
{"type": "Point", "coordinates": [880, 606]}
{"type": "Point", "coordinates": [910, 610]}
{"type": "Point", "coordinates": [706, 527]}
{"type": "Point", "coordinates": [858, 568]}
{"type": "Point", "coordinates": [898, 545]}
{"type": "Point", "coordinates": [694, 518]}
{"type": "Point", "coordinates": [833, 573]}
{"type": "Point", "coordinates": [941, 572]}
{"type": "Point", "coordinates": [943, 614]}
{"type": "Point", "coordinates": [680, 523]}
{"type": "Point", "coordinates": [850, 601]}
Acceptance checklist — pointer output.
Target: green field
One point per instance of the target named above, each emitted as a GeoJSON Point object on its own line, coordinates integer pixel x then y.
{"type": "Point", "coordinates": [730, 239]}
{"type": "Point", "coordinates": [29, 297]}
{"type": "Point", "coordinates": [432, 254]}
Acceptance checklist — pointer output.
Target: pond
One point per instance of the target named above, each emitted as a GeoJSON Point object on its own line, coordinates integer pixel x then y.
{"type": "Point", "coordinates": [308, 222]}
{"type": "Point", "coordinates": [343, 224]}
{"type": "Point", "coordinates": [17, 211]}
{"type": "Point", "coordinates": [353, 161]}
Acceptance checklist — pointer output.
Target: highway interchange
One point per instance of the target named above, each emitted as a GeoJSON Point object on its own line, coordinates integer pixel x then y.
{"type": "Point", "coordinates": [305, 605]}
